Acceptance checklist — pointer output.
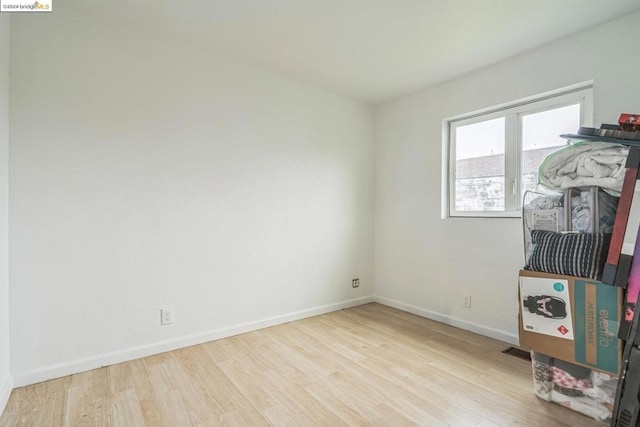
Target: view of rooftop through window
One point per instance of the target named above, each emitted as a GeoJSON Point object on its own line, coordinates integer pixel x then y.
{"type": "Point", "coordinates": [540, 137]}
{"type": "Point", "coordinates": [480, 147]}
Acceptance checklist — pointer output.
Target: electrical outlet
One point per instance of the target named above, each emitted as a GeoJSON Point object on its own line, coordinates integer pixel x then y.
{"type": "Point", "coordinates": [166, 316]}
{"type": "Point", "coordinates": [467, 301]}
{"type": "Point", "coordinates": [355, 283]}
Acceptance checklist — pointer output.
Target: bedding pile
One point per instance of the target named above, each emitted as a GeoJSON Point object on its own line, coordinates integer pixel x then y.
{"type": "Point", "coordinates": [585, 163]}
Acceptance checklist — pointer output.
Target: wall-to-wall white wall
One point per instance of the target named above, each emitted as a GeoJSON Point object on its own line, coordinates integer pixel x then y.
{"type": "Point", "coordinates": [5, 379]}
{"type": "Point", "coordinates": [147, 174]}
{"type": "Point", "coordinates": [426, 264]}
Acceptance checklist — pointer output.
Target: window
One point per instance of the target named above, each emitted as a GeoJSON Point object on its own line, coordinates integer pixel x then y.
{"type": "Point", "coordinates": [494, 155]}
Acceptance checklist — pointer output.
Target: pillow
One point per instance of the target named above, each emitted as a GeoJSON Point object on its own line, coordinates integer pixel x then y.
{"type": "Point", "coordinates": [571, 254]}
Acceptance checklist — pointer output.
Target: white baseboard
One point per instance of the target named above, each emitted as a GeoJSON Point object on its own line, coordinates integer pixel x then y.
{"type": "Point", "coordinates": [449, 320]}
{"type": "Point", "coordinates": [5, 392]}
{"type": "Point", "coordinates": [81, 365]}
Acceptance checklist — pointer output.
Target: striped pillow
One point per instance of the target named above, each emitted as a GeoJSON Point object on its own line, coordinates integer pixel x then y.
{"type": "Point", "coordinates": [571, 254]}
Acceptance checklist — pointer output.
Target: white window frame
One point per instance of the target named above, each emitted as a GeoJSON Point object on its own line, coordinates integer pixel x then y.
{"type": "Point", "coordinates": [513, 113]}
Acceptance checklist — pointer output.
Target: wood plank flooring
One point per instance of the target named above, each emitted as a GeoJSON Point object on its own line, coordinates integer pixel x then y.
{"type": "Point", "coordinates": [368, 365]}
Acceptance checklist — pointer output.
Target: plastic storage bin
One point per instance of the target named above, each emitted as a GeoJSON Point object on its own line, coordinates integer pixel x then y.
{"type": "Point", "coordinates": [575, 387]}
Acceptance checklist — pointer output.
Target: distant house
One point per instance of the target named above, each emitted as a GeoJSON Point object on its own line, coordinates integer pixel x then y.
{"type": "Point", "coordinates": [480, 180]}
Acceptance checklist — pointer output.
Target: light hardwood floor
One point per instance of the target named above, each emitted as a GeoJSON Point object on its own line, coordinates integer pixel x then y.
{"type": "Point", "coordinates": [368, 365]}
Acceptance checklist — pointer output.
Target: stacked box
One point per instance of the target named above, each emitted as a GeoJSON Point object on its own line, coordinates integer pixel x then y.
{"type": "Point", "coordinates": [578, 388]}
{"type": "Point", "coordinates": [571, 318]}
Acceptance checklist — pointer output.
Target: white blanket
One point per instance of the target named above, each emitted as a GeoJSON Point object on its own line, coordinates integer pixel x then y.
{"type": "Point", "coordinates": [585, 163]}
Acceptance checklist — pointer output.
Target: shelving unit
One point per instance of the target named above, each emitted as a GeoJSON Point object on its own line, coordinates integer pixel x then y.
{"type": "Point", "coordinates": [622, 270]}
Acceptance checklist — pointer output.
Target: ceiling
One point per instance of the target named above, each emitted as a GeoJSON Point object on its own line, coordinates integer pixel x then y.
{"type": "Point", "coordinates": [371, 50]}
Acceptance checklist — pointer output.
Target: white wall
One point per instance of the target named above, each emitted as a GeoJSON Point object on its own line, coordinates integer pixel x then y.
{"type": "Point", "coordinates": [5, 379]}
{"type": "Point", "coordinates": [145, 173]}
{"type": "Point", "coordinates": [426, 264]}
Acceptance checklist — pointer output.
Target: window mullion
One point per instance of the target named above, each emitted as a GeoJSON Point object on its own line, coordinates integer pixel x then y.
{"type": "Point", "coordinates": [512, 163]}
{"type": "Point", "coordinates": [452, 168]}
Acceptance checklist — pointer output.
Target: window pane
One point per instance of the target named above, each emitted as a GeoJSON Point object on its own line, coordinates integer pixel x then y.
{"type": "Point", "coordinates": [540, 137]}
{"type": "Point", "coordinates": [479, 180]}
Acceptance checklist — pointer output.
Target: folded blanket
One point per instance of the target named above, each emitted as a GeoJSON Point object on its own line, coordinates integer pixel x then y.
{"type": "Point", "coordinates": [585, 163]}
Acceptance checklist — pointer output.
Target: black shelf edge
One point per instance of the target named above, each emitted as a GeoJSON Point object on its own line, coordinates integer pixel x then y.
{"type": "Point", "coordinates": [629, 142]}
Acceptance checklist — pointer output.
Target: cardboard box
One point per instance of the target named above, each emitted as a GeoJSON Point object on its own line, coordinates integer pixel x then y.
{"type": "Point", "coordinates": [587, 334]}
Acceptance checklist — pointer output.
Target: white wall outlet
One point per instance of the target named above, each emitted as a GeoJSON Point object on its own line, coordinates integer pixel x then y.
{"type": "Point", "coordinates": [467, 301]}
{"type": "Point", "coordinates": [166, 316]}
